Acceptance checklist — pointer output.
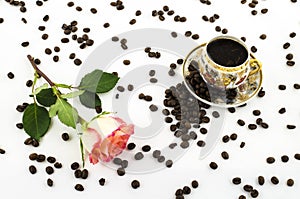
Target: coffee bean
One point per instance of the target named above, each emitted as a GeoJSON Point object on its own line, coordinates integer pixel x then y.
{"type": "Point", "coordinates": [224, 31]}
{"type": "Point", "coordinates": [195, 184]}
{"type": "Point", "coordinates": [19, 125]}
{"type": "Point", "coordinates": [23, 9]}
{"type": "Point", "coordinates": [292, 34]}
{"type": "Point", "coordinates": [64, 40]}
{"type": "Point", "coordinates": [121, 88]}
{"type": "Point", "coordinates": [253, 49]}
{"type": "Point", "coordinates": [135, 184]}
{"type": "Point", "coordinates": [289, 56]}
{"type": "Point", "coordinates": [46, 18]}
{"type": "Point", "coordinates": [184, 144]}
{"type": "Point", "coordinates": [56, 49]}
{"type": "Point", "coordinates": [49, 170]}
{"type": "Point", "coordinates": [201, 143]}
{"type": "Point", "coordinates": [270, 160]}
{"type": "Point", "coordinates": [77, 173]}
{"type": "Point", "coordinates": [241, 122]}
{"type": "Point", "coordinates": [33, 156]}
{"type": "Point", "coordinates": [168, 120]}
{"type": "Point", "coordinates": [132, 21]}
{"type": "Point", "coordinates": [274, 180]}
{"type": "Point", "coordinates": [290, 182]}
{"type": "Point", "coordinates": [264, 125]}
{"type": "Point", "coordinates": [180, 61]}
{"type": "Point", "coordinates": [225, 138]}
{"type": "Point", "coordinates": [284, 158]}
{"type": "Point", "coordinates": [84, 174]}
{"type": "Point", "coordinates": [254, 12]}
{"type": "Point", "coordinates": [106, 25]}
{"type": "Point", "coordinates": [286, 45]}
{"type": "Point", "coordinates": [290, 63]}
{"type": "Point", "coordinates": [25, 44]}
{"type": "Point", "coordinates": [102, 181]}
{"type": "Point", "coordinates": [174, 34]}
{"type": "Point", "coordinates": [242, 145]}
{"type": "Point", "coordinates": [121, 171]}
{"type": "Point", "coordinates": [148, 98]}
{"type": "Point", "coordinates": [186, 190]}
{"type": "Point", "coordinates": [233, 136]}
{"type": "Point", "coordinates": [179, 192]}
{"type": "Point", "coordinates": [77, 62]}
{"type": "Point", "coordinates": [290, 126]}
{"type": "Point", "coordinates": [261, 180]}
{"type": "Point", "coordinates": [32, 169]}
{"type": "Point", "coordinates": [79, 187]}
{"type": "Point", "coordinates": [138, 13]}
{"type": "Point", "coordinates": [261, 93]}
{"type": "Point", "coordinates": [236, 180]}
{"type": "Point", "coordinates": [248, 188]}
{"type": "Point", "coordinates": [35, 143]}
{"type": "Point", "coordinates": [282, 111]}
{"type": "Point", "coordinates": [256, 112]}
{"type": "Point", "coordinates": [78, 8]}
{"type": "Point", "coordinates": [263, 36]}
{"type": "Point", "coordinates": [231, 110]}
{"type": "Point", "coordinates": [1, 20]}
{"type": "Point", "coordinates": [297, 156]}
{"type": "Point", "coordinates": [169, 163]}
{"type": "Point", "coordinates": [58, 165]}
{"type": "Point", "coordinates": [243, 39]}
{"type": "Point", "coordinates": [296, 86]}
{"type": "Point", "coordinates": [161, 159]}
{"type": "Point", "coordinates": [131, 146]}
{"type": "Point", "coordinates": [41, 158]}
{"type": "Point", "coordinates": [146, 148]}
{"type": "Point", "coordinates": [65, 136]}
{"type": "Point", "coordinates": [138, 156]}
{"type": "Point", "coordinates": [259, 121]}
{"type": "Point", "coordinates": [74, 165]}
{"type": "Point", "coordinates": [28, 141]}
{"type": "Point", "coordinates": [264, 11]}
{"type": "Point", "coordinates": [10, 75]}
{"type": "Point", "coordinates": [213, 165]}
{"type": "Point", "coordinates": [205, 18]}
{"type": "Point", "coordinates": [225, 155]}
{"type": "Point", "coordinates": [130, 87]}
{"type": "Point", "coordinates": [215, 114]}
{"type": "Point", "coordinates": [242, 197]}
{"type": "Point", "coordinates": [252, 126]}
{"type": "Point", "coordinates": [156, 153]}
{"type": "Point", "coordinates": [254, 193]}
{"type": "Point", "coordinates": [126, 62]}
{"type": "Point", "coordinates": [281, 87]}
{"type": "Point", "coordinates": [49, 182]}
{"type": "Point", "coordinates": [55, 58]}
{"type": "Point", "coordinates": [117, 161]}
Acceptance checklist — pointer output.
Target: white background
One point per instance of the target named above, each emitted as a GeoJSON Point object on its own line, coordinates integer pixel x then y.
{"type": "Point", "coordinates": [248, 163]}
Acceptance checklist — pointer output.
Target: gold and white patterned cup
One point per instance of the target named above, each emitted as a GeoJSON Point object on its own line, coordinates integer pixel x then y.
{"type": "Point", "coordinates": [224, 77]}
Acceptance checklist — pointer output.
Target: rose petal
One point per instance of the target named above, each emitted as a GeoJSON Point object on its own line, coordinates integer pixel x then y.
{"type": "Point", "coordinates": [89, 138]}
{"type": "Point", "coordinates": [107, 125]}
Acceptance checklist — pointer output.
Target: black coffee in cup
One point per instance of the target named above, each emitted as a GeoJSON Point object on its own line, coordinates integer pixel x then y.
{"type": "Point", "coordinates": [227, 52]}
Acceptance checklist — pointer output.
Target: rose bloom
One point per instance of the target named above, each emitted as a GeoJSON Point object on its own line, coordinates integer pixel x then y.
{"type": "Point", "coordinates": [106, 137]}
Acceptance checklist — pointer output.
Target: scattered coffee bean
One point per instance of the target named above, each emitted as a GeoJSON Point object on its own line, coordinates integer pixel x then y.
{"type": "Point", "coordinates": [153, 80]}
{"type": "Point", "coordinates": [290, 182]}
{"type": "Point", "coordinates": [10, 75]}
{"type": "Point", "coordinates": [65, 136]}
{"type": "Point", "coordinates": [77, 62]}
{"type": "Point", "coordinates": [102, 181]}
{"type": "Point", "coordinates": [201, 143]}
{"type": "Point", "coordinates": [93, 10]}
{"type": "Point", "coordinates": [256, 112]}
{"type": "Point", "coordinates": [264, 125]}
{"type": "Point", "coordinates": [169, 163]}
{"type": "Point", "coordinates": [233, 136]}
{"type": "Point", "coordinates": [290, 126]}
{"type": "Point", "coordinates": [254, 193]}
{"type": "Point", "coordinates": [148, 98]}
{"type": "Point", "coordinates": [242, 145]}
{"type": "Point", "coordinates": [146, 148]}
{"type": "Point", "coordinates": [33, 156]}
{"type": "Point", "coordinates": [135, 184]}
{"type": "Point", "coordinates": [286, 45]}
{"type": "Point", "coordinates": [130, 87]}
{"type": "Point", "coordinates": [79, 187]}
{"type": "Point", "coordinates": [284, 158]}
{"type": "Point", "coordinates": [289, 56]}
{"type": "Point", "coordinates": [131, 146]}
{"type": "Point", "coordinates": [261, 93]}
{"type": "Point", "coordinates": [282, 110]}
{"type": "Point", "coordinates": [263, 36]}
{"type": "Point", "coordinates": [242, 197]}
{"type": "Point", "coordinates": [55, 58]}
{"type": "Point", "coordinates": [270, 160]}
{"type": "Point", "coordinates": [281, 87]}
{"type": "Point", "coordinates": [264, 11]}
{"type": "Point", "coordinates": [213, 165]}
{"type": "Point", "coordinates": [186, 190]}
{"type": "Point", "coordinates": [236, 180]}
{"type": "Point", "coordinates": [225, 155]}
{"type": "Point", "coordinates": [195, 184]}
{"type": "Point", "coordinates": [58, 165]}
{"type": "Point", "coordinates": [84, 174]}
{"type": "Point", "coordinates": [138, 156]}
{"type": "Point", "coordinates": [126, 62]}
{"type": "Point", "coordinates": [77, 173]}
{"type": "Point", "coordinates": [248, 188]}
{"type": "Point", "coordinates": [231, 110]}
{"type": "Point", "coordinates": [274, 180]}
{"type": "Point", "coordinates": [74, 165]}
{"type": "Point", "coordinates": [161, 159]}
{"type": "Point", "coordinates": [121, 88]}
{"type": "Point", "coordinates": [121, 171]}
{"type": "Point", "coordinates": [259, 121]}
{"type": "Point", "coordinates": [241, 122]}
{"type": "Point", "coordinates": [19, 125]}
{"type": "Point", "coordinates": [290, 63]}
{"type": "Point", "coordinates": [49, 182]}
{"type": "Point", "coordinates": [292, 34]}
{"type": "Point", "coordinates": [225, 138]}
{"type": "Point", "coordinates": [49, 170]}
{"type": "Point", "coordinates": [261, 180]}
{"type": "Point", "coordinates": [174, 34]}
{"type": "Point", "coordinates": [252, 126]}
{"type": "Point", "coordinates": [32, 169]}
{"type": "Point", "coordinates": [41, 158]}
{"type": "Point", "coordinates": [51, 159]}
{"type": "Point", "coordinates": [297, 86]}
{"type": "Point", "coordinates": [297, 156]}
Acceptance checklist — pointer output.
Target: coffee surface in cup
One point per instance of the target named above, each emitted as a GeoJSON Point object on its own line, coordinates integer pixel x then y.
{"type": "Point", "coordinates": [227, 52]}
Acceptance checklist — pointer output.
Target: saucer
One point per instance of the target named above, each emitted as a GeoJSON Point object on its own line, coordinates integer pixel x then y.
{"type": "Point", "coordinates": [222, 98]}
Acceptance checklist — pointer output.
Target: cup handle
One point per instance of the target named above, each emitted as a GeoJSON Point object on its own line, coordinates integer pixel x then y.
{"type": "Point", "coordinates": [257, 63]}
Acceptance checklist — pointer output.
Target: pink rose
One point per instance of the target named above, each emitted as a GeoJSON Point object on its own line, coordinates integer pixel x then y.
{"type": "Point", "coordinates": [106, 137]}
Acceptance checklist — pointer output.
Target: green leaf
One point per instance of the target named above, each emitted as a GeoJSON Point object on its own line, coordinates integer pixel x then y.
{"type": "Point", "coordinates": [89, 99]}
{"type": "Point", "coordinates": [98, 81]}
{"type": "Point", "coordinates": [38, 89]}
{"type": "Point", "coordinates": [36, 121]}
{"type": "Point", "coordinates": [46, 97]}
{"type": "Point", "coordinates": [65, 111]}
{"type": "Point", "coordinates": [72, 94]}
{"type": "Point", "coordinates": [63, 85]}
